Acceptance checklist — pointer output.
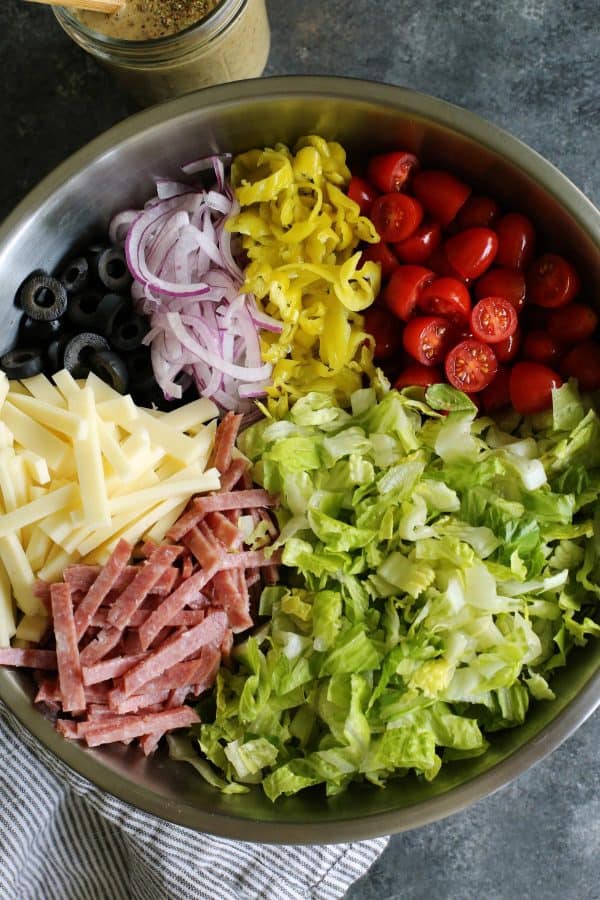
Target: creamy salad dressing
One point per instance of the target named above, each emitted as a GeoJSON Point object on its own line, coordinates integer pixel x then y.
{"type": "Point", "coordinates": [142, 20]}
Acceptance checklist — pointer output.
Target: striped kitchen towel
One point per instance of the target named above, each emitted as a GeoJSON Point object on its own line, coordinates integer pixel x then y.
{"type": "Point", "coordinates": [63, 839]}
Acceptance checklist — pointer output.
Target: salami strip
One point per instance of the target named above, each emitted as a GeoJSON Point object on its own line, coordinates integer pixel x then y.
{"type": "Point", "coordinates": [140, 701]}
{"type": "Point", "coordinates": [174, 604]}
{"type": "Point", "coordinates": [229, 595]}
{"type": "Point", "coordinates": [225, 438]}
{"type": "Point", "coordinates": [68, 728]}
{"type": "Point", "coordinates": [166, 582]}
{"type": "Point", "coordinates": [182, 674]}
{"type": "Point", "coordinates": [105, 581]}
{"type": "Point", "coordinates": [236, 470]}
{"type": "Point", "coordinates": [174, 650]}
{"type": "Point", "coordinates": [97, 649]}
{"type": "Point", "coordinates": [201, 506]}
{"type": "Point", "coordinates": [224, 530]}
{"type": "Point", "coordinates": [109, 668]}
{"type": "Point", "coordinates": [67, 654]}
{"type": "Point", "coordinates": [32, 659]}
{"type": "Point", "coordinates": [136, 726]}
{"type": "Point", "coordinates": [206, 674]}
{"type": "Point", "coordinates": [147, 576]}
{"type": "Point", "coordinates": [80, 577]}
{"type": "Point", "coordinates": [203, 546]}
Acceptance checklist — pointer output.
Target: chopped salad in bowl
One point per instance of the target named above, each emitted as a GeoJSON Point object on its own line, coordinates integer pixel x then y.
{"type": "Point", "coordinates": [301, 470]}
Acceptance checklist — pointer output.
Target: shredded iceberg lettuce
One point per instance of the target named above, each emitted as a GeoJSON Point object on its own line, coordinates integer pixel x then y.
{"type": "Point", "coordinates": [438, 570]}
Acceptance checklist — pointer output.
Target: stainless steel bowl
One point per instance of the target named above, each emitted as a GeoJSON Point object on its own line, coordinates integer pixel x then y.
{"type": "Point", "coordinates": [115, 171]}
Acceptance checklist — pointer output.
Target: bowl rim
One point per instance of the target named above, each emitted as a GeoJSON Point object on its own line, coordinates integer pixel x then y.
{"type": "Point", "coordinates": [548, 177]}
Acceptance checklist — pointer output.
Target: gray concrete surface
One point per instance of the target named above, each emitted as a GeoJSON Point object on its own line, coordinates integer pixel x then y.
{"type": "Point", "coordinates": [531, 66]}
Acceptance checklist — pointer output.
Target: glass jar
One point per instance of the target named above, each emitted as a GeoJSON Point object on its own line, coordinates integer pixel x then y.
{"type": "Point", "coordinates": [231, 43]}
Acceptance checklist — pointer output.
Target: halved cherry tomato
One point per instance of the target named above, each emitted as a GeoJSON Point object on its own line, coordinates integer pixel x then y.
{"type": "Point", "coordinates": [418, 375]}
{"type": "Point", "coordinates": [419, 246]}
{"type": "Point", "coordinates": [531, 386]}
{"type": "Point", "coordinates": [386, 330]}
{"type": "Point", "coordinates": [383, 254]}
{"type": "Point", "coordinates": [572, 324]}
{"type": "Point", "coordinates": [539, 346]}
{"type": "Point", "coordinates": [497, 395]}
{"type": "Point", "coordinates": [471, 252]}
{"type": "Point", "coordinates": [507, 350]}
{"type": "Point", "coordinates": [404, 287]}
{"type": "Point", "coordinates": [516, 241]}
{"type": "Point", "coordinates": [389, 171]}
{"type": "Point", "coordinates": [552, 281]}
{"type": "Point", "coordinates": [428, 339]}
{"type": "Point", "coordinates": [499, 282]}
{"type": "Point", "coordinates": [438, 261]}
{"type": "Point", "coordinates": [477, 212]}
{"type": "Point", "coordinates": [471, 366]}
{"type": "Point", "coordinates": [446, 297]}
{"type": "Point", "coordinates": [362, 193]}
{"type": "Point", "coordinates": [583, 363]}
{"type": "Point", "coordinates": [396, 216]}
{"type": "Point", "coordinates": [441, 194]}
{"type": "Point", "coordinates": [493, 319]}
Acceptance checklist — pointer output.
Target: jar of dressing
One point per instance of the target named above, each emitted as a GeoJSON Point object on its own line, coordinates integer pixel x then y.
{"type": "Point", "coordinates": [157, 49]}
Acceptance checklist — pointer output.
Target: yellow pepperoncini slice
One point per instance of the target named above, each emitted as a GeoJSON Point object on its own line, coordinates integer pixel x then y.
{"type": "Point", "coordinates": [300, 231]}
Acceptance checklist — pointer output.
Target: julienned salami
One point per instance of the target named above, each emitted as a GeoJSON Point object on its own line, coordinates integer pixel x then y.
{"type": "Point", "coordinates": [210, 631]}
{"type": "Point", "coordinates": [227, 432]}
{"type": "Point", "coordinates": [34, 659]}
{"type": "Point", "coordinates": [67, 652]}
{"type": "Point", "coordinates": [101, 586]}
{"type": "Point", "coordinates": [107, 732]}
{"type": "Point", "coordinates": [201, 506]}
{"type": "Point", "coordinates": [135, 639]}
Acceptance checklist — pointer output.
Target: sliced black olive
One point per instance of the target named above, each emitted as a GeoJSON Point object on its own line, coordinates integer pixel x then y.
{"type": "Point", "coordinates": [113, 271]}
{"type": "Point", "coordinates": [75, 275]}
{"type": "Point", "coordinates": [93, 311]}
{"type": "Point", "coordinates": [113, 308]}
{"type": "Point", "coordinates": [55, 354]}
{"type": "Point", "coordinates": [35, 331]}
{"type": "Point", "coordinates": [127, 333]}
{"type": "Point", "coordinates": [22, 363]}
{"type": "Point", "coordinates": [43, 297]}
{"type": "Point", "coordinates": [111, 368]}
{"type": "Point", "coordinates": [79, 350]}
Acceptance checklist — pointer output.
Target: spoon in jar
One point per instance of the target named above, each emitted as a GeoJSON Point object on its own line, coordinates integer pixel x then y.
{"type": "Point", "coordinates": [105, 6]}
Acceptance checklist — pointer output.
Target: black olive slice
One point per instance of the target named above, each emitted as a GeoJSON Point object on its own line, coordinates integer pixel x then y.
{"type": "Point", "coordinates": [75, 275]}
{"type": "Point", "coordinates": [111, 368]}
{"type": "Point", "coordinates": [36, 331]}
{"type": "Point", "coordinates": [128, 333]}
{"type": "Point", "coordinates": [21, 363]}
{"type": "Point", "coordinates": [43, 297]}
{"type": "Point", "coordinates": [55, 354]}
{"type": "Point", "coordinates": [113, 271]}
{"type": "Point", "coordinates": [79, 350]}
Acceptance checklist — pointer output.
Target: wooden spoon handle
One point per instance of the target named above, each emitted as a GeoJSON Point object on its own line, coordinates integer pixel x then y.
{"type": "Point", "coordinates": [105, 6]}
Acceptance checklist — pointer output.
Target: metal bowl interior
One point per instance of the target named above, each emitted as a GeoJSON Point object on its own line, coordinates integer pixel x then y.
{"type": "Point", "coordinates": [115, 171]}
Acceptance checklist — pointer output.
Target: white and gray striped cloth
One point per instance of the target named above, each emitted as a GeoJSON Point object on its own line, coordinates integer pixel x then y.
{"type": "Point", "coordinates": [63, 839]}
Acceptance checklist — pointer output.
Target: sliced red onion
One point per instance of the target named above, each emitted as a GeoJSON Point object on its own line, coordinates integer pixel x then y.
{"type": "Point", "coordinates": [188, 281]}
{"type": "Point", "coordinates": [120, 224]}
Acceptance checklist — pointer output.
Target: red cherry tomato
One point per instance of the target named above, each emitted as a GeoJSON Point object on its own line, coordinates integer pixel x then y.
{"type": "Point", "coordinates": [516, 241]}
{"type": "Point", "coordinates": [428, 339]}
{"type": "Point", "coordinates": [418, 375]}
{"type": "Point", "coordinates": [389, 171]}
{"type": "Point", "coordinates": [404, 287]}
{"type": "Point", "coordinates": [497, 395]}
{"type": "Point", "coordinates": [493, 319]}
{"type": "Point", "coordinates": [507, 350]}
{"type": "Point", "coordinates": [552, 281]}
{"type": "Point", "coordinates": [583, 363]}
{"type": "Point", "coordinates": [572, 324]}
{"type": "Point", "coordinates": [396, 216]}
{"type": "Point", "coordinates": [531, 386]}
{"type": "Point", "coordinates": [471, 252]}
{"type": "Point", "coordinates": [471, 366]}
{"type": "Point", "coordinates": [507, 283]}
{"type": "Point", "coordinates": [438, 261]}
{"type": "Point", "coordinates": [540, 347]}
{"type": "Point", "coordinates": [386, 330]}
{"type": "Point", "coordinates": [446, 297]}
{"type": "Point", "coordinates": [419, 246]}
{"type": "Point", "coordinates": [477, 212]}
{"type": "Point", "coordinates": [383, 254]}
{"type": "Point", "coordinates": [362, 193]}
{"type": "Point", "coordinates": [441, 194]}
